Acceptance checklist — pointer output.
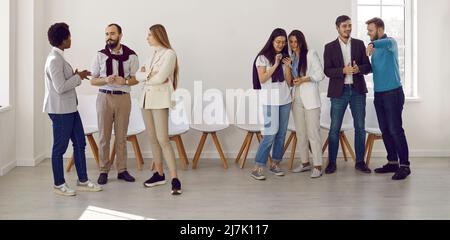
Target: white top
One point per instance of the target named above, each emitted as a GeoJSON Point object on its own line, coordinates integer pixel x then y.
{"type": "Point", "coordinates": [130, 67]}
{"type": "Point", "coordinates": [347, 53]}
{"type": "Point", "coordinates": [278, 94]}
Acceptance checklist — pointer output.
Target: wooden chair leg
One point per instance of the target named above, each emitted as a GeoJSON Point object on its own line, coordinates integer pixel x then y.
{"type": "Point", "coordinates": [294, 148]}
{"type": "Point", "coordinates": [113, 154]}
{"type": "Point", "coordinates": [94, 149]}
{"type": "Point", "coordinates": [370, 149]}
{"type": "Point", "coordinates": [181, 151]}
{"type": "Point", "coordinates": [343, 146]}
{"type": "Point", "coordinates": [369, 137]}
{"type": "Point", "coordinates": [219, 149]}
{"type": "Point", "coordinates": [71, 163]}
{"type": "Point", "coordinates": [260, 137]}
{"type": "Point", "coordinates": [137, 151]}
{"type": "Point", "coordinates": [185, 156]}
{"type": "Point", "coordinates": [325, 145]}
{"type": "Point", "coordinates": [244, 144]}
{"type": "Point", "coordinates": [199, 151]}
{"type": "Point", "coordinates": [349, 147]}
{"type": "Point", "coordinates": [247, 149]}
{"type": "Point", "coordinates": [289, 141]}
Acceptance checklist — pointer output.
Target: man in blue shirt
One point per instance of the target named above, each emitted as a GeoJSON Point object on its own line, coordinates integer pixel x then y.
{"type": "Point", "coordinates": [389, 99]}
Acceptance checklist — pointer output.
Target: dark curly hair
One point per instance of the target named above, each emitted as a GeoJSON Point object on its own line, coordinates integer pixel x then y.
{"type": "Point", "coordinates": [57, 33]}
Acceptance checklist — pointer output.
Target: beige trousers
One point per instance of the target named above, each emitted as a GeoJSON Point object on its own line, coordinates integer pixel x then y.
{"type": "Point", "coordinates": [157, 124]}
{"type": "Point", "coordinates": [113, 110]}
{"type": "Point", "coordinates": [307, 124]}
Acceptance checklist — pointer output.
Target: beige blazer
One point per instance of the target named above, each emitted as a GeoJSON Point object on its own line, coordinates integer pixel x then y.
{"type": "Point", "coordinates": [158, 80]}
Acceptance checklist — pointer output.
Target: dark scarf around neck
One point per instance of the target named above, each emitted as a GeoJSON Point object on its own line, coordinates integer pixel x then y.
{"type": "Point", "coordinates": [126, 53]}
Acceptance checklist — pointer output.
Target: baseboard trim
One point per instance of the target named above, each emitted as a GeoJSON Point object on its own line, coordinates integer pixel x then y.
{"type": "Point", "coordinates": [33, 162]}
{"type": "Point", "coordinates": [10, 166]}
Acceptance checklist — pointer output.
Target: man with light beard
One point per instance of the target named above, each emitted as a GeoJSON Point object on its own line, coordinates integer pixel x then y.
{"type": "Point", "coordinates": [389, 99]}
{"type": "Point", "coordinates": [114, 69]}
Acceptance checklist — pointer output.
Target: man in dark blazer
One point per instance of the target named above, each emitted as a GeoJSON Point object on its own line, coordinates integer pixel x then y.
{"type": "Point", "coordinates": [346, 63]}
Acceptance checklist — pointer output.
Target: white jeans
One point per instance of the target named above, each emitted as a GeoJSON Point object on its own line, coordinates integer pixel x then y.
{"type": "Point", "coordinates": [307, 124]}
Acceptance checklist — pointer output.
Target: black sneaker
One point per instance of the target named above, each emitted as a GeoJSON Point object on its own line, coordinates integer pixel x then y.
{"type": "Point", "coordinates": [103, 179]}
{"type": "Point", "coordinates": [176, 187]}
{"type": "Point", "coordinates": [362, 167]}
{"type": "Point", "coordinates": [156, 180]}
{"type": "Point", "coordinates": [126, 177]}
{"type": "Point", "coordinates": [388, 168]}
{"type": "Point", "coordinates": [402, 174]}
{"type": "Point", "coordinates": [331, 168]}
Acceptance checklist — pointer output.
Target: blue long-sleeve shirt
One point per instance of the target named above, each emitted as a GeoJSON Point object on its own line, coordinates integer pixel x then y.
{"type": "Point", "coordinates": [385, 66]}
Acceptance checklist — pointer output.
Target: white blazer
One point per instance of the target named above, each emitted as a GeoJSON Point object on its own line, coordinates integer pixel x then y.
{"type": "Point", "coordinates": [309, 92]}
{"type": "Point", "coordinates": [158, 80]}
{"type": "Point", "coordinates": [60, 84]}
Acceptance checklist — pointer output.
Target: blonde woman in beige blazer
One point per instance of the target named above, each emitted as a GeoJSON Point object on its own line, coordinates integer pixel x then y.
{"type": "Point", "coordinates": [160, 76]}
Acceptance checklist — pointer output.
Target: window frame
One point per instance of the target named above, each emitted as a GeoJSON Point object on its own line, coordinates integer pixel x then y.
{"type": "Point", "coordinates": [410, 44]}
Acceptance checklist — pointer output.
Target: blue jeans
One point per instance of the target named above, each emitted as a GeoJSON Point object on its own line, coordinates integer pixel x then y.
{"type": "Point", "coordinates": [357, 103]}
{"type": "Point", "coordinates": [389, 107]}
{"type": "Point", "coordinates": [68, 127]}
{"type": "Point", "coordinates": [276, 121]}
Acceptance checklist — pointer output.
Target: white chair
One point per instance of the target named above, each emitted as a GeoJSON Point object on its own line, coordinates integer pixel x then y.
{"type": "Point", "coordinates": [347, 125]}
{"type": "Point", "coordinates": [246, 120]}
{"type": "Point", "coordinates": [136, 126]}
{"type": "Point", "coordinates": [210, 124]}
{"type": "Point", "coordinates": [88, 114]}
{"type": "Point", "coordinates": [372, 129]}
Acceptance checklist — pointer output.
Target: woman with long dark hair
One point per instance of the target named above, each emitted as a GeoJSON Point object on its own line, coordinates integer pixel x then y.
{"type": "Point", "coordinates": [272, 75]}
{"type": "Point", "coordinates": [307, 72]}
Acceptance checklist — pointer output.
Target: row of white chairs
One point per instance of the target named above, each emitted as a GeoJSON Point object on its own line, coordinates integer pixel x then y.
{"type": "Point", "coordinates": [245, 111]}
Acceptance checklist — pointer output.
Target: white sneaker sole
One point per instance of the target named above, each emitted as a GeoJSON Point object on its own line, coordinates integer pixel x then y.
{"type": "Point", "coordinates": [279, 174]}
{"type": "Point", "coordinates": [154, 184]}
{"type": "Point", "coordinates": [302, 170]}
{"type": "Point", "coordinates": [87, 189]}
{"type": "Point", "coordinates": [262, 178]}
{"type": "Point", "coordinates": [315, 177]}
{"type": "Point", "coordinates": [57, 192]}
{"type": "Point", "coordinates": [178, 192]}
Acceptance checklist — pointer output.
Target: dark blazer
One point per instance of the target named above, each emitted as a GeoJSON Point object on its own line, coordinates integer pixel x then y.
{"type": "Point", "coordinates": [334, 65]}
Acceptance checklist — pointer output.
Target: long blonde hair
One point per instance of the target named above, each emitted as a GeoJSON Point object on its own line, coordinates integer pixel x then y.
{"type": "Point", "coordinates": [160, 34]}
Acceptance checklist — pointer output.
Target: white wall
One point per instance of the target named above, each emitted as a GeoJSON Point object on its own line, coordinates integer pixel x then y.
{"type": "Point", "coordinates": [4, 48]}
{"type": "Point", "coordinates": [7, 116]}
{"type": "Point", "coordinates": [216, 42]}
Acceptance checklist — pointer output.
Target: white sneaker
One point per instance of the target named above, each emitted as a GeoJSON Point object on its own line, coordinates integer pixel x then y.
{"type": "Point", "coordinates": [302, 168]}
{"type": "Point", "coordinates": [64, 190]}
{"type": "Point", "coordinates": [316, 173]}
{"type": "Point", "coordinates": [88, 186]}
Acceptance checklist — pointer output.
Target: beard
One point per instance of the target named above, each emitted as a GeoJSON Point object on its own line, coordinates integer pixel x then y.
{"type": "Point", "coordinates": [376, 37]}
{"type": "Point", "coordinates": [112, 43]}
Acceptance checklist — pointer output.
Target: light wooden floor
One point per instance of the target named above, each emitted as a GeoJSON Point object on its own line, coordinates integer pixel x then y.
{"type": "Point", "coordinates": [212, 193]}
